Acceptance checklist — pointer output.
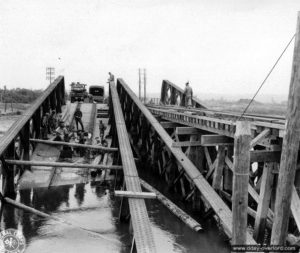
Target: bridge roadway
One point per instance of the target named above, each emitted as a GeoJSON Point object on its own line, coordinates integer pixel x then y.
{"type": "Point", "coordinates": [143, 237]}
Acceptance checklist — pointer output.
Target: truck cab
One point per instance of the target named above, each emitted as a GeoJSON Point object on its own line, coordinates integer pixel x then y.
{"type": "Point", "coordinates": [78, 92]}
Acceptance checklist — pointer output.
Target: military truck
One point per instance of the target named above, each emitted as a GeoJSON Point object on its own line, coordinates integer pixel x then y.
{"type": "Point", "coordinates": [78, 92]}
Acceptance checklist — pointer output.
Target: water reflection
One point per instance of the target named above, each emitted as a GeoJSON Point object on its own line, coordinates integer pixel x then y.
{"type": "Point", "coordinates": [93, 213]}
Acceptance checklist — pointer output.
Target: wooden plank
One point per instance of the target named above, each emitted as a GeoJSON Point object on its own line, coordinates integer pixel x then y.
{"type": "Point", "coordinates": [215, 140]}
{"type": "Point", "coordinates": [69, 144]}
{"type": "Point", "coordinates": [64, 165]}
{"type": "Point", "coordinates": [290, 149]}
{"type": "Point", "coordinates": [240, 182]}
{"type": "Point", "coordinates": [264, 156]}
{"type": "Point", "coordinates": [260, 137]}
{"type": "Point", "coordinates": [169, 124]}
{"type": "Point", "coordinates": [263, 203]}
{"type": "Point", "coordinates": [136, 195]}
{"type": "Point", "coordinates": [187, 130]}
{"type": "Point", "coordinates": [186, 144]}
{"type": "Point", "coordinates": [182, 215]}
{"type": "Point", "coordinates": [143, 236]}
{"type": "Point", "coordinates": [217, 179]}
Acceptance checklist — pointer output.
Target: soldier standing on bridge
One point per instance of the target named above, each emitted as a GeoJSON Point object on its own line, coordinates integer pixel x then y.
{"type": "Point", "coordinates": [78, 116]}
{"type": "Point", "coordinates": [111, 77]}
{"type": "Point", "coordinates": [102, 128]}
{"type": "Point", "coordinates": [44, 126]}
{"type": "Point", "coordinates": [188, 95]}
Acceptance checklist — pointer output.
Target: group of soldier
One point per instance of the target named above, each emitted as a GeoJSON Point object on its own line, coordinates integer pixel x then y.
{"type": "Point", "coordinates": [52, 123]}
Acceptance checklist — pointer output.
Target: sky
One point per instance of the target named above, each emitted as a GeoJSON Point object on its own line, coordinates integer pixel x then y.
{"type": "Point", "coordinates": [220, 47]}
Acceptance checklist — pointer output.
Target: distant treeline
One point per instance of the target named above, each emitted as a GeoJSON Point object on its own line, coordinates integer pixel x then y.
{"type": "Point", "coordinates": [18, 95]}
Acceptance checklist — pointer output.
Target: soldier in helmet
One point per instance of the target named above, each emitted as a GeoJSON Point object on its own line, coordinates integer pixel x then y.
{"type": "Point", "coordinates": [78, 118]}
{"type": "Point", "coordinates": [188, 95]}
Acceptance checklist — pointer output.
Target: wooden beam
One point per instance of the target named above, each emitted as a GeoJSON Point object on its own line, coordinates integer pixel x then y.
{"type": "Point", "coordinates": [264, 156]}
{"type": "Point", "coordinates": [187, 130]}
{"type": "Point", "coordinates": [217, 180]}
{"type": "Point", "coordinates": [136, 195]}
{"type": "Point", "coordinates": [182, 215]}
{"type": "Point", "coordinates": [263, 203]}
{"type": "Point", "coordinates": [105, 149]}
{"type": "Point", "coordinates": [169, 124]}
{"type": "Point", "coordinates": [290, 148]}
{"type": "Point", "coordinates": [186, 144]}
{"type": "Point", "coordinates": [241, 165]}
{"type": "Point", "coordinates": [260, 137]}
{"type": "Point", "coordinates": [215, 140]}
{"type": "Point", "coordinates": [64, 165]}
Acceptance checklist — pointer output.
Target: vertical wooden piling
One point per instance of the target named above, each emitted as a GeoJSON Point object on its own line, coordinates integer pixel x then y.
{"type": "Point", "coordinates": [217, 180]}
{"type": "Point", "coordinates": [242, 140]}
{"type": "Point", "coordinates": [290, 147]}
{"type": "Point", "coordinates": [264, 202]}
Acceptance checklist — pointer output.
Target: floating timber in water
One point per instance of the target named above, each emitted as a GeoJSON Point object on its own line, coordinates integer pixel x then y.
{"type": "Point", "coordinates": [136, 195]}
{"type": "Point", "coordinates": [105, 149]}
{"type": "Point", "coordinates": [64, 165]}
{"type": "Point", "coordinates": [182, 215]}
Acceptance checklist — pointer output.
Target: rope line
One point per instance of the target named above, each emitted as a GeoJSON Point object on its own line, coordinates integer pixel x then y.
{"type": "Point", "coordinates": [269, 73]}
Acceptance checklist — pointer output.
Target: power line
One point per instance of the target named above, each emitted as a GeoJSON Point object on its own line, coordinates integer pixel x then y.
{"type": "Point", "coordinates": [269, 73]}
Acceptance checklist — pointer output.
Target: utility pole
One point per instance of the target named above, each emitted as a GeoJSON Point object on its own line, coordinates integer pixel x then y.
{"type": "Point", "coordinates": [4, 98]}
{"type": "Point", "coordinates": [145, 96]}
{"type": "Point", "coordinates": [50, 73]}
{"type": "Point", "coordinates": [289, 154]}
{"type": "Point", "coordinates": [140, 83]}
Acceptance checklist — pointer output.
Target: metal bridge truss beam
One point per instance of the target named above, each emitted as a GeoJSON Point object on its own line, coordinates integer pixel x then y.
{"type": "Point", "coordinates": [15, 143]}
{"type": "Point", "coordinates": [176, 167]}
{"type": "Point", "coordinates": [171, 94]}
{"type": "Point", "coordinates": [143, 237]}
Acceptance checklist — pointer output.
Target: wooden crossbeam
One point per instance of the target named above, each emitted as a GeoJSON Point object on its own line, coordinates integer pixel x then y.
{"type": "Point", "coordinates": [260, 137]}
{"type": "Point", "coordinates": [105, 149]}
{"type": "Point", "coordinates": [64, 165]}
{"type": "Point", "coordinates": [211, 165]}
{"type": "Point", "coordinates": [264, 156]}
{"type": "Point", "coordinates": [187, 130]}
{"type": "Point", "coordinates": [206, 141]}
{"type": "Point", "coordinates": [169, 124]}
{"type": "Point", "coordinates": [215, 140]}
{"type": "Point", "coordinates": [136, 195]}
{"type": "Point", "coordinates": [186, 144]}
{"type": "Point", "coordinates": [251, 190]}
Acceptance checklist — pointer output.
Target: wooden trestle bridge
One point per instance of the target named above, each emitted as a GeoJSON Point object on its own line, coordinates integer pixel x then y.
{"type": "Point", "coordinates": [243, 172]}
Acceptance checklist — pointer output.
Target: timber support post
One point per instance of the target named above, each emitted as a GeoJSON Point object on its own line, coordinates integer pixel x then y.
{"type": "Point", "coordinates": [240, 182]}
{"type": "Point", "coordinates": [289, 155]}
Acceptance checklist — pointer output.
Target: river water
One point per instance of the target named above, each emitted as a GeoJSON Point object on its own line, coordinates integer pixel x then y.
{"type": "Point", "coordinates": [90, 215]}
